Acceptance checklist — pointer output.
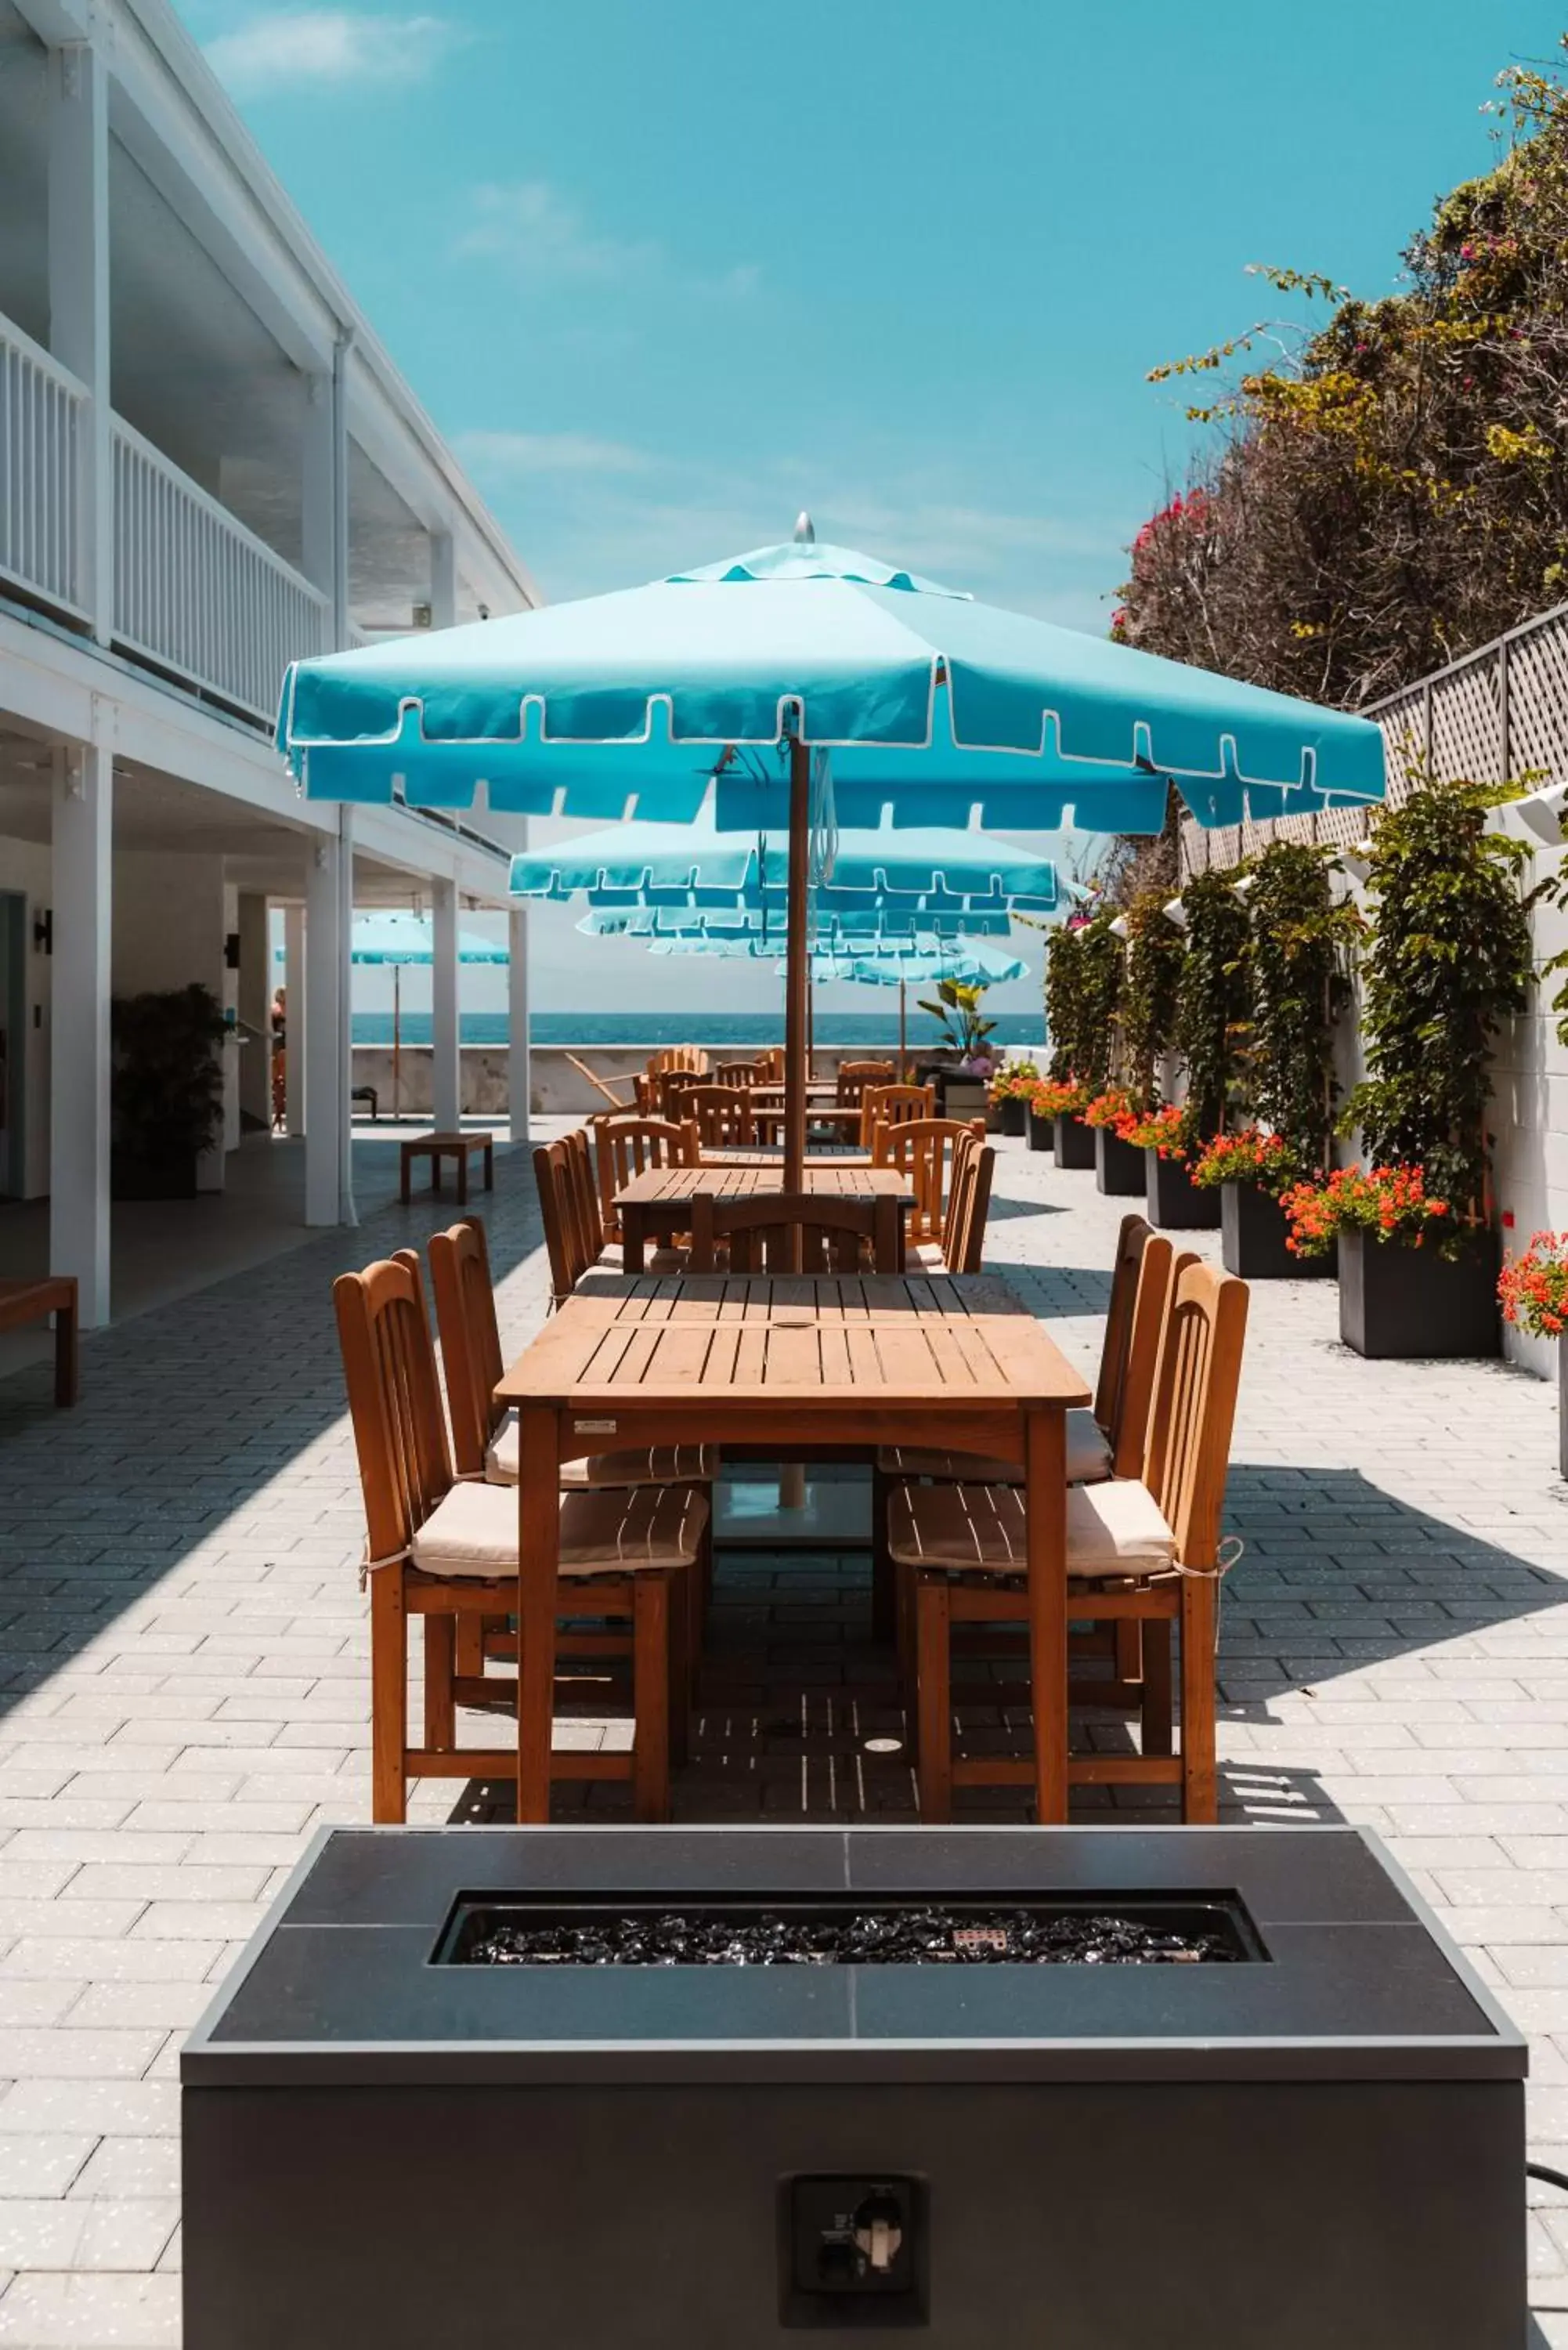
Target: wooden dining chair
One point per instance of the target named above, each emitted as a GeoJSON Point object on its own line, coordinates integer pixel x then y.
{"type": "Point", "coordinates": [963, 1233]}
{"type": "Point", "coordinates": [625, 1148]}
{"type": "Point", "coordinates": [562, 1246]}
{"type": "Point", "coordinates": [445, 1550]}
{"type": "Point", "coordinates": [674, 1059]}
{"type": "Point", "coordinates": [925, 1149]}
{"type": "Point", "coordinates": [810, 1232]}
{"type": "Point", "coordinates": [722, 1116]}
{"type": "Point", "coordinates": [853, 1077]}
{"type": "Point", "coordinates": [743, 1073]}
{"type": "Point", "coordinates": [675, 1086]}
{"type": "Point", "coordinates": [1145, 1549]}
{"type": "Point", "coordinates": [893, 1106]}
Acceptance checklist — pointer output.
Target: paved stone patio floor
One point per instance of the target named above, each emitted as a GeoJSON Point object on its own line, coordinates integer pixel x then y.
{"type": "Point", "coordinates": [184, 1689]}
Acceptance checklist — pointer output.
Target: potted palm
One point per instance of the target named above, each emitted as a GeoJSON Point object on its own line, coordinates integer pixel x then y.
{"type": "Point", "coordinates": [1448, 960]}
{"type": "Point", "coordinates": [964, 1088]}
{"type": "Point", "coordinates": [166, 1090]}
{"type": "Point", "coordinates": [1533, 1292]}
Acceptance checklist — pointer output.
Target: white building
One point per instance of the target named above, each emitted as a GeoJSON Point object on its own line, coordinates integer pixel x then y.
{"type": "Point", "coordinates": [208, 466]}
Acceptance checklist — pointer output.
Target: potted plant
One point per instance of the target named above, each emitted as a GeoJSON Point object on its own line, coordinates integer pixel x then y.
{"type": "Point", "coordinates": [1407, 1264]}
{"type": "Point", "coordinates": [1009, 1090]}
{"type": "Point", "coordinates": [1166, 1139]}
{"type": "Point", "coordinates": [166, 1090]}
{"type": "Point", "coordinates": [1301, 939]}
{"type": "Point", "coordinates": [1118, 1164]}
{"type": "Point", "coordinates": [1247, 1171]}
{"type": "Point", "coordinates": [1449, 958]}
{"type": "Point", "coordinates": [1083, 986]}
{"type": "Point", "coordinates": [1054, 1104]}
{"type": "Point", "coordinates": [1533, 1292]}
{"type": "Point", "coordinates": [1042, 1121]}
{"type": "Point", "coordinates": [957, 1005]}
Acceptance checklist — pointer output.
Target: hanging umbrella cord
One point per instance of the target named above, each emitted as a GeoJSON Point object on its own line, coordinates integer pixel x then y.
{"type": "Point", "coordinates": [1547, 2177]}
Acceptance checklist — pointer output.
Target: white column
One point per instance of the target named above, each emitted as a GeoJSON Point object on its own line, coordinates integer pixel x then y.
{"type": "Point", "coordinates": [325, 964]}
{"type": "Point", "coordinates": [317, 494]}
{"type": "Point", "coordinates": [79, 300]}
{"type": "Point", "coordinates": [339, 414]}
{"type": "Point", "coordinates": [83, 808]}
{"type": "Point", "coordinates": [518, 1076]}
{"type": "Point", "coordinates": [446, 1056]}
{"type": "Point", "coordinates": [294, 1004]}
{"type": "Point", "coordinates": [443, 581]}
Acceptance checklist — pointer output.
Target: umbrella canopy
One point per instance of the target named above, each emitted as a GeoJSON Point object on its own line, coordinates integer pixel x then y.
{"type": "Point", "coordinates": [964, 962]}
{"type": "Point", "coordinates": [398, 938]}
{"type": "Point", "coordinates": [806, 683]}
{"type": "Point", "coordinates": [933, 706]}
{"type": "Point", "coordinates": [943, 869]}
{"type": "Point", "coordinates": [847, 927]}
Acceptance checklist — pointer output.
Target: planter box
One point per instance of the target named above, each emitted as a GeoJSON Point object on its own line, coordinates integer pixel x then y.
{"type": "Point", "coordinates": [1075, 1144]}
{"type": "Point", "coordinates": [1119, 1168]}
{"type": "Point", "coordinates": [1176, 1204]}
{"type": "Point", "coordinates": [1013, 1112]}
{"type": "Point", "coordinates": [1041, 1131]}
{"type": "Point", "coordinates": [1412, 1304]}
{"type": "Point", "coordinates": [1253, 1229]}
{"type": "Point", "coordinates": [968, 1098]}
{"type": "Point", "coordinates": [387, 2143]}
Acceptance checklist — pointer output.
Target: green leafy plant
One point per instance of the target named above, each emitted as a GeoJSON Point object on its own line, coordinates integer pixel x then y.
{"type": "Point", "coordinates": [1057, 1097]}
{"type": "Point", "coordinates": [1449, 958]}
{"type": "Point", "coordinates": [1214, 1002]}
{"type": "Point", "coordinates": [1302, 938]}
{"type": "Point", "coordinates": [1391, 1204]}
{"type": "Point", "coordinates": [1151, 989]}
{"type": "Point", "coordinates": [1167, 1131]}
{"type": "Point", "coordinates": [958, 1006]}
{"type": "Point", "coordinates": [1012, 1079]}
{"type": "Point", "coordinates": [1113, 1109]}
{"type": "Point", "coordinates": [166, 1091]}
{"type": "Point", "coordinates": [1083, 974]}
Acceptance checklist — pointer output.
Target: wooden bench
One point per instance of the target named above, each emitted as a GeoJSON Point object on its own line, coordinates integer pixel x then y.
{"type": "Point", "coordinates": [22, 1302]}
{"type": "Point", "coordinates": [437, 1146]}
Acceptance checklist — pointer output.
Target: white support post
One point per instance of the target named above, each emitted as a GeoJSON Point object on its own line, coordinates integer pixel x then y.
{"type": "Point", "coordinates": [318, 493]}
{"type": "Point", "coordinates": [294, 1003]}
{"type": "Point", "coordinates": [326, 965]}
{"type": "Point", "coordinates": [79, 301]}
{"type": "Point", "coordinates": [82, 885]}
{"type": "Point", "coordinates": [446, 1052]}
{"type": "Point", "coordinates": [518, 1076]}
{"type": "Point", "coordinates": [443, 581]}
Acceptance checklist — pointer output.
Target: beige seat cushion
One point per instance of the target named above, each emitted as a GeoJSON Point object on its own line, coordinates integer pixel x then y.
{"type": "Point", "coordinates": [1089, 1460]}
{"type": "Point", "coordinates": [1114, 1529]}
{"type": "Point", "coordinates": [662, 1465]}
{"type": "Point", "coordinates": [473, 1531]}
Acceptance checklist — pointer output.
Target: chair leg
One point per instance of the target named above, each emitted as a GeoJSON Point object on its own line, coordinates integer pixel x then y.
{"type": "Point", "coordinates": [933, 1677]}
{"type": "Point", "coordinates": [682, 1601]}
{"type": "Point", "coordinates": [884, 1603]}
{"type": "Point", "coordinates": [909, 1659]}
{"type": "Point", "coordinates": [1128, 1644]}
{"type": "Point", "coordinates": [469, 1640]}
{"type": "Point", "coordinates": [388, 1698]}
{"type": "Point", "coordinates": [1200, 1782]}
{"type": "Point", "coordinates": [651, 1699]}
{"type": "Point", "coordinates": [440, 1708]}
{"type": "Point", "coordinates": [1156, 1687]}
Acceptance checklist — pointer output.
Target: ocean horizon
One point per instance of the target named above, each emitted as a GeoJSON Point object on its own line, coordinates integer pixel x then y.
{"type": "Point", "coordinates": [621, 1028]}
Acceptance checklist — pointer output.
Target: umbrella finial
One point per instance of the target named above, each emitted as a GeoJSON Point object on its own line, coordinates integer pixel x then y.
{"type": "Point", "coordinates": [804, 529]}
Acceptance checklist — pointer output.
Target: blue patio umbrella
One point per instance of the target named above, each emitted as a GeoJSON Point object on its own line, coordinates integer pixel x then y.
{"type": "Point", "coordinates": [809, 672]}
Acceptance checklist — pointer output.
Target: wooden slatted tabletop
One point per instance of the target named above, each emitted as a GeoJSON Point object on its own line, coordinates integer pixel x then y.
{"type": "Point", "coordinates": [807, 1363]}
{"type": "Point", "coordinates": [658, 1203]}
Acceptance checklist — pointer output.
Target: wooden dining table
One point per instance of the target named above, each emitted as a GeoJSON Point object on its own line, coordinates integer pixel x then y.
{"type": "Point", "coordinates": [948, 1360]}
{"type": "Point", "coordinates": [657, 1204]}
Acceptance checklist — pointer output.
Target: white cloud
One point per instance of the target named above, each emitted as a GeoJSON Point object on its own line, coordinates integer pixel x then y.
{"type": "Point", "coordinates": [327, 47]}
{"type": "Point", "coordinates": [517, 454]}
{"type": "Point", "coordinates": [544, 235]}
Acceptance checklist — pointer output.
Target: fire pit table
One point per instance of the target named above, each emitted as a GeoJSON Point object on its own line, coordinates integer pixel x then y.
{"type": "Point", "coordinates": [658, 2089]}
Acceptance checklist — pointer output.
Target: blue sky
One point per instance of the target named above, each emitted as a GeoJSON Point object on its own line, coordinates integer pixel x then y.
{"type": "Point", "coordinates": [663, 273]}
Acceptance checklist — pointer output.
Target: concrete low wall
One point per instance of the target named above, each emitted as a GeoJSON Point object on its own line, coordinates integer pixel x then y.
{"type": "Point", "coordinates": [556, 1090]}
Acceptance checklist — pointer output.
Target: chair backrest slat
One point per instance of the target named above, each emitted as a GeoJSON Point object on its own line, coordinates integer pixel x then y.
{"type": "Point", "coordinates": [584, 1194]}
{"type": "Point", "coordinates": [964, 1239]}
{"type": "Point", "coordinates": [722, 1116]}
{"type": "Point", "coordinates": [853, 1077]}
{"type": "Point", "coordinates": [894, 1106]}
{"type": "Point", "coordinates": [470, 1339]}
{"type": "Point", "coordinates": [1194, 1412]}
{"type": "Point", "coordinates": [925, 1148]}
{"type": "Point", "coordinates": [557, 1209]}
{"type": "Point", "coordinates": [394, 1401]}
{"type": "Point", "coordinates": [782, 1232]}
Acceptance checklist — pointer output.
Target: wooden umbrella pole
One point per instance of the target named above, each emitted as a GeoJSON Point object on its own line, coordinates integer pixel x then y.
{"type": "Point", "coordinates": [797, 967]}
{"type": "Point", "coordinates": [396, 1043]}
{"type": "Point", "coordinates": [903, 1030]}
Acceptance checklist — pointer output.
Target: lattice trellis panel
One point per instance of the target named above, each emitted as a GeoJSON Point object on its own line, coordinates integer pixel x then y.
{"type": "Point", "coordinates": [1503, 713]}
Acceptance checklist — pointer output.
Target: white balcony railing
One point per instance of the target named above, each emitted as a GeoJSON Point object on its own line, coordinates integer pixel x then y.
{"type": "Point", "coordinates": [197, 592]}
{"type": "Point", "coordinates": [42, 420]}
